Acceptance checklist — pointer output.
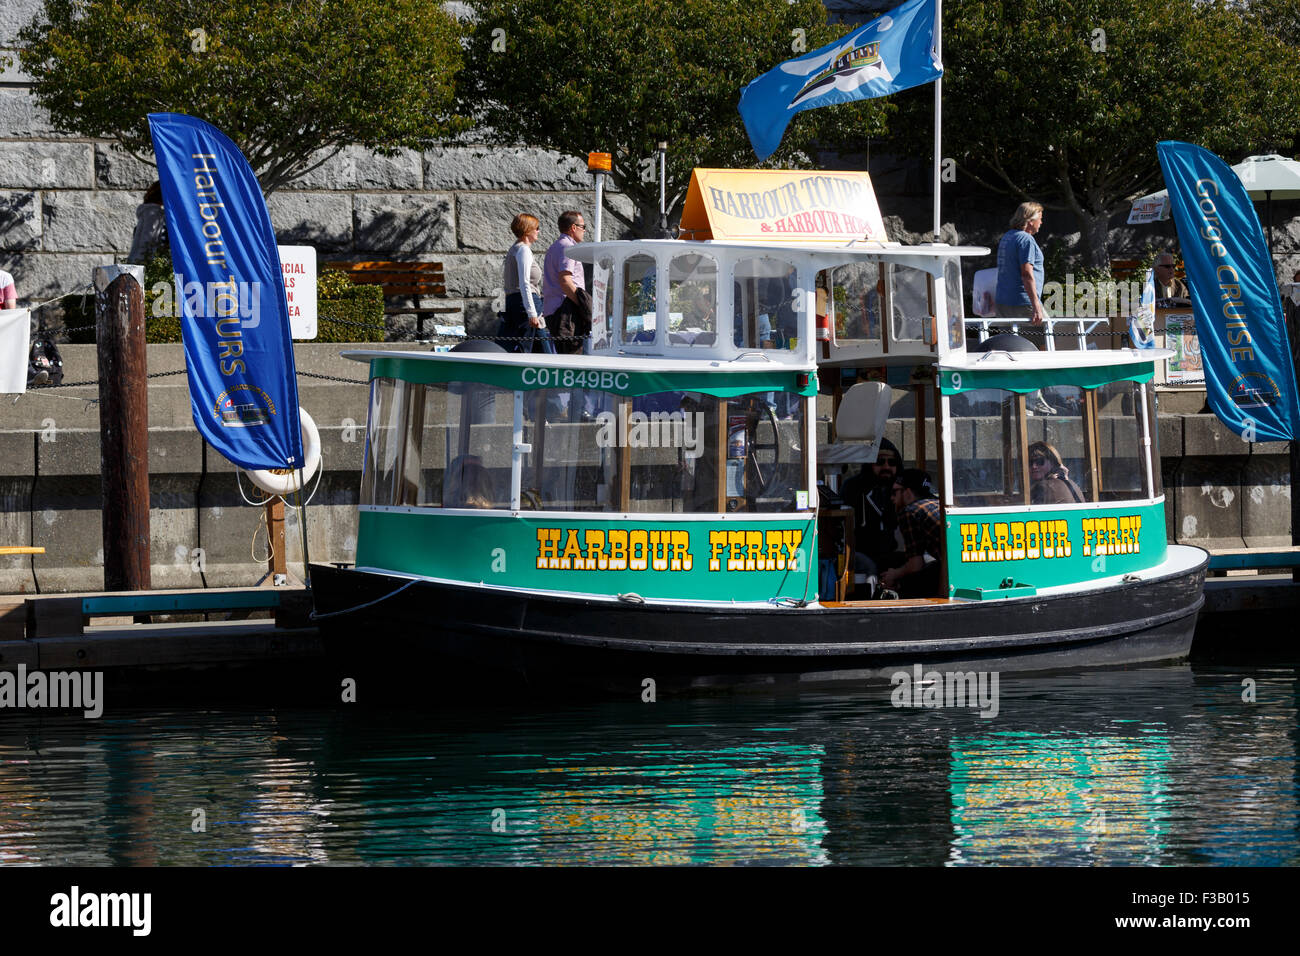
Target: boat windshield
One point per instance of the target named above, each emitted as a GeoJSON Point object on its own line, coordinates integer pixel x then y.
{"type": "Point", "coordinates": [1059, 445]}
{"type": "Point", "coordinates": [465, 444]}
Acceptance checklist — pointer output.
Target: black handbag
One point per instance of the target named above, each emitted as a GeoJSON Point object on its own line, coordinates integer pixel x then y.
{"type": "Point", "coordinates": [44, 363]}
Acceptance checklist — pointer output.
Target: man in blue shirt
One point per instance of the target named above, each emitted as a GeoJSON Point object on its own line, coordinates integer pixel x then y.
{"type": "Point", "coordinates": [1020, 267]}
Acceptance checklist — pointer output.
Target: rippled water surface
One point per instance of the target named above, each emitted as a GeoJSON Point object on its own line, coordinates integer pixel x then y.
{"type": "Point", "coordinates": [1165, 765]}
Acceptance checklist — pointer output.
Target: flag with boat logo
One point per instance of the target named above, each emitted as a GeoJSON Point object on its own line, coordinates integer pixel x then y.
{"type": "Point", "coordinates": [230, 293]}
{"type": "Point", "coordinates": [894, 52]}
{"type": "Point", "coordinates": [1249, 375]}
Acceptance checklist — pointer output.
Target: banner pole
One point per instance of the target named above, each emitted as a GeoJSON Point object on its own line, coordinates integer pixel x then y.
{"type": "Point", "coordinates": [938, 109]}
{"type": "Point", "coordinates": [302, 529]}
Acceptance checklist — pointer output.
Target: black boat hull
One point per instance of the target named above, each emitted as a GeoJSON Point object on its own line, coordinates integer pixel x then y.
{"type": "Point", "coordinates": [474, 636]}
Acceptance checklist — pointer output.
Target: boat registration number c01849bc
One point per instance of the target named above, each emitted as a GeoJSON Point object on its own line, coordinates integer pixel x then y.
{"type": "Point", "coordinates": [574, 378]}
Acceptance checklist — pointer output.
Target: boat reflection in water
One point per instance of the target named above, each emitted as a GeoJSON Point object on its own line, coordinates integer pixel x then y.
{"type": "Point", "coordinates": [1155, 766]}
{"type": "Point", "coordinates": [1075, 800]}
{"type": "Point", "coordinates": [699, 808]}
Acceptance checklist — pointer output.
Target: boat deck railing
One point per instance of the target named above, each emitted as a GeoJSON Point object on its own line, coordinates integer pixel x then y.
{"type": "Point", "coordinates": [1078, 336]}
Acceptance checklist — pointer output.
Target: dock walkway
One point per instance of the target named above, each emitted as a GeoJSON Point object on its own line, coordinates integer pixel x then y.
{"type": "Point", "coordinates": [58, 631]}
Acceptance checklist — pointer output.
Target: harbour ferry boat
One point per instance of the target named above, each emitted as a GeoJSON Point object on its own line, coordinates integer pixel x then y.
{"type": "Point", "coordinates": [661, 507]}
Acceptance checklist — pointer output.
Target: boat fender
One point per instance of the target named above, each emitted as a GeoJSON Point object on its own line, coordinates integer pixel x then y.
{"type": "Point", "coordinates": [631, 597]}
{"type": "Point", "coordinates": [283, 481]}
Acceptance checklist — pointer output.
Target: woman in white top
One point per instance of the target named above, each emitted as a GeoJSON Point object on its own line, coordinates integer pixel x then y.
{"type": "Point", "coordinates": [522, 277]}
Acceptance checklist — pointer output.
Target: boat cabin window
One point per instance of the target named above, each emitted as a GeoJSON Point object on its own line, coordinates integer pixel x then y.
{"type": "Point", "coordinates": [471, 445]}
{"type": "Point", "coordinates": [693, 301]}
{"type": "Point", "coordinates": [955, 302]}
{"type": "Point", "coordinates": [440, 445]}
{"type": "Point", "coordinates": [636, 323]}
{"type": "Point", "coordinates": [910, 299]}
{"type": "Point", "coordinates": [602, 301]}
{"type": "Point", "coordinates": [856, 294]}
{"type": "Point", "coordinates": [765, 301]}
{"type": "Point", "coordinates": [987, 455]}
{"type": "Point", "coordinates": [1122, 432]}
{"type": "Point", "coordinates": [1061, 445]}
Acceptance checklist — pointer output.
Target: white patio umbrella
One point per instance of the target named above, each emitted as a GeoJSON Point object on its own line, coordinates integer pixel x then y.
{"type": "Point", "coordinates": [1273, 177]}
{"type": "Point", "coordinates": [1265, 177]}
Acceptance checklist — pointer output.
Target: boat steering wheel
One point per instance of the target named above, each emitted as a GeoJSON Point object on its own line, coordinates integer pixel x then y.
{"type": "Point", "coordinates": [763, 475]}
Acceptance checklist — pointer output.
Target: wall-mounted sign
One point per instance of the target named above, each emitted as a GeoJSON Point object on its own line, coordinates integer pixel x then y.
{"type": "Point", "coordinates": [298, 263]}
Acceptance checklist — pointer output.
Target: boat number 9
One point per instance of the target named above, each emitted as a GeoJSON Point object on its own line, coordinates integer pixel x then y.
{"type": "Point", "coordinates": [575, 378]}
{"type": "Point", "coordinates": [956, 379]}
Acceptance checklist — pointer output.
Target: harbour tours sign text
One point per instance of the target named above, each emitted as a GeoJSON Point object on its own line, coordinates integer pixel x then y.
{"type": "Point", "coordinates": [774, 204]}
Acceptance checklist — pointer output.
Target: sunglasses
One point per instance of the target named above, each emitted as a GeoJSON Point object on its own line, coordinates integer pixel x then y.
{"type": "Point", "coordinates": [887, 461]}
{"type": "Point", "coordinates": [1037, 461]}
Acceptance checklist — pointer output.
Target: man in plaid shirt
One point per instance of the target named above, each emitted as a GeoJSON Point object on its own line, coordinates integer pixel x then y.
{"type": "Point", "coordinates": [921, 523]}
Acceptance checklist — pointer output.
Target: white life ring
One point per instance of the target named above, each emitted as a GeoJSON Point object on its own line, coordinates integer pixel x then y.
{"type": "Point", "coordinates": [283, 481]}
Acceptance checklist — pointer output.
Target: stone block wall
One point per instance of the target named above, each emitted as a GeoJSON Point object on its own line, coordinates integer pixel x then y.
{"type": "Point", "coordinates": [68, 204]}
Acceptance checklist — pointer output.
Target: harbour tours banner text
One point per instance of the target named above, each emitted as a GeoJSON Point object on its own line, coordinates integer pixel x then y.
{"type": "Point", "coordinates": [230, 290]}
{"type": "Point", "coordinates": [781, 205]}
{"type": "Point", "coordinates": [1249, 376]}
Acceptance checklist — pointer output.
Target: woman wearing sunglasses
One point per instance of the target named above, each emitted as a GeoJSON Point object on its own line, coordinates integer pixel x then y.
{"type": "Point", "coordinates": [1050, 479]}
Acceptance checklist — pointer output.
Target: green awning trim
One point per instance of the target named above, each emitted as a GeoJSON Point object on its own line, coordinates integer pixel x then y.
{"type": "Point", "coordinates": [956, 381]}
{"type": "Point", "coordinates": [723, 384]}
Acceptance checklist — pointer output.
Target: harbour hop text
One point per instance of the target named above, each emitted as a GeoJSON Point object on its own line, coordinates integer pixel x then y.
{"type": "Point", "coordinates": [948, 689]}
{"type": "Point", "coordinates": [57, 690]}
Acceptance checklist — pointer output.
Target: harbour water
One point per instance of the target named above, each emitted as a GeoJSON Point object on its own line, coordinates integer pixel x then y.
{"type": "Point", "coordinates": [1173, 765]}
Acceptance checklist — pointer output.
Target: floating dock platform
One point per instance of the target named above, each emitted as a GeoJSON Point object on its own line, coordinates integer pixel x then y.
{"type": "Point", "coordinates": [203, 627]}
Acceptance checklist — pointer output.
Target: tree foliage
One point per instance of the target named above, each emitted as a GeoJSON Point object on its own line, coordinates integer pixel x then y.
{"type": "Point", "coordinates": [623, 75]}
{"type": "Point", "coordinates": [1063, 101]}
{"type": "Point", "coordinates": [282, 78]}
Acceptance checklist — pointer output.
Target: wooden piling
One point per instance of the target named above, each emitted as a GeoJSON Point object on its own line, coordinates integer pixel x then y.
{"type": "Point", "coordinates": [124, 433]}
{"type": "Point", "coordinates": [276, 563]}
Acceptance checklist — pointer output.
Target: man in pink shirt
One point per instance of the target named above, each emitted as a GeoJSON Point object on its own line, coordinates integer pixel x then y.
{"type": "Point", "coordinates": [562, 279]}
{"type": "Point", "coordinates": [8, 292]}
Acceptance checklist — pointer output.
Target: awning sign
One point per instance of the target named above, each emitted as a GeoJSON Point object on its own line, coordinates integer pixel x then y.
{"type": "Point", "coordinates": [1149, 209]}
{"type": "Point", "coordinates": [774, 205]}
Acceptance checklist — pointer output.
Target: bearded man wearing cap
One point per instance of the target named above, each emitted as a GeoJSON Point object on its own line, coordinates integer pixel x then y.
{"type": "Point", "coordinates": [870, 494]}
{"type": "Point", "coordinates": [921, 524]}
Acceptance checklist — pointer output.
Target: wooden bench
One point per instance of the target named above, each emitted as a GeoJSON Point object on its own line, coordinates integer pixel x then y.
{"type": "Point", "coordinates": [402, 280]}
{"type": "Point", "coordinates": [1122, 270]}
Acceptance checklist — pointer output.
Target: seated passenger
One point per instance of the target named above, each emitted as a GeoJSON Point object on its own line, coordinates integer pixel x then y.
{"type": "Point", "coordinates": [920, 521]}
{"type": "Point", "coordinates": [1051, 484]}
{"type": "Point", "coordinates": [870, 494]}
{"type": "Point", "coordinates": [467, 484]}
